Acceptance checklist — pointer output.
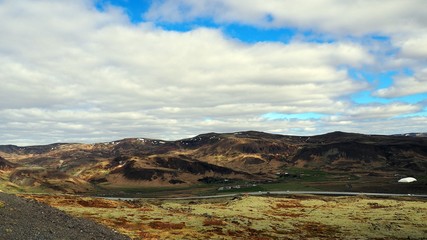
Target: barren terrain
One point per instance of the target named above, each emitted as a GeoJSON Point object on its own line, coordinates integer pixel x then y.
{"type": "Point", "coordinates": [199, 165]}
{"type": "Point", "coordinates": [249, 217]}
{"type": "Point", "coordinates": [212, 164]}
{"type": "Point", "coordinates": [29, 220]}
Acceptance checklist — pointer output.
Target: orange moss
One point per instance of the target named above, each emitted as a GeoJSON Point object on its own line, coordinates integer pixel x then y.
{"type": "Point", "coordinates": [375, 205]}
{"type": "Point", "coordinates": [97, 203]}
{"type": "Point", "coordinates": [213, 222]}
{"type": "Point", "coordinates": [288, 204]}
{"type": "Point", "coordinates": [316, 229]}
{"type": "Point", "coordinates": [166, 225]}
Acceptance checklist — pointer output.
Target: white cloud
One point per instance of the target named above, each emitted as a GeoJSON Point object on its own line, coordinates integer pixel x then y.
{"type": "Point", "coordinates": [414, 47]}
{"type": "Point", "coordinates": [404, 86]}
{"type": "Point", "coordinates": [377, 111]}
{"type": "Point", "coordinates": [71, 73]}
{"type": "Point", "coordinates": [334, 16]}
{"type": "Point", "coordinates": [404, 22]}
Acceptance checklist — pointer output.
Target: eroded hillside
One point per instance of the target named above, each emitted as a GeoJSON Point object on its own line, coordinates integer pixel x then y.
{"type": "Point", "coordinates": [243, 156]}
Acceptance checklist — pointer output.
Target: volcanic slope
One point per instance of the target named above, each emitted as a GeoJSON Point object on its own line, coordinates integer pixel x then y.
{"type": "Point", "coordinates": [26, 219]}
{"type": "Point", "coordinates": [249, 156]}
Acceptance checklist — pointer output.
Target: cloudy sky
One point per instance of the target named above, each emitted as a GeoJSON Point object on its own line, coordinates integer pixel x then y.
{"type": "Point", "coordinates": [101, 70]}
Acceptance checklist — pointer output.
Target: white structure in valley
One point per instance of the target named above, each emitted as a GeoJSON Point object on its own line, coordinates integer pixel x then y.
{"type": "Point", "coordinates": [407, 180]}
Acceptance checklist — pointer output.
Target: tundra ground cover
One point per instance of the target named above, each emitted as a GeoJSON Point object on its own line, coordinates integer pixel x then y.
{"type": "Point", "coordinates": [250, 217]}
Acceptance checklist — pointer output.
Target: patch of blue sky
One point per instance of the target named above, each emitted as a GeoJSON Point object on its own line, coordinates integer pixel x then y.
{"type": "Point", "coordinates": [187, 26]}
{"type": "Point", "coordinates": [380, 79]}
{"type": "Point", "coordinates": [322, 38]}
{"type": "Point", "coordinates": [379, 45]}
{"type": "Point", "coordinates": [416, 98]}
{"type": "Point", "coordinates": [382, 47]}
{"type": "Point", "coordinates": [422, 113]}
{"type": "Point", "coordinates": [290, 116]}
{"type": "Point", "coordinates": [408, 72]}
{"type": "Point", "coordinates": [368, 39]}
{"type": "Point", "coordinates": [251, 34]}
{"type": "Point", "coordinates": [316, 37]}
{"type": "Point", "coordinates": [133, 8]}
{"type": "Point", "coordinates": [380, 38]}
{"type": "Point", "coordinates": [244, 33]}
{"type": "Point", "coordinates": [365, 97]}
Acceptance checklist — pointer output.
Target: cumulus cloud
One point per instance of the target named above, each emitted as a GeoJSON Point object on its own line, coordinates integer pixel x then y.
{"type": "Point", "coordinates": [72, 73]}
{"type": "Point", "coordinates": [404, 22]}
{"type": "Point", "coordinates": [335, 16]}
{"type": "Point", "coordinates": [376, 111]}
{"type": "Point", "coordinates": [404, 85]}
{"type": "Point", "coordinates": [414, 46]}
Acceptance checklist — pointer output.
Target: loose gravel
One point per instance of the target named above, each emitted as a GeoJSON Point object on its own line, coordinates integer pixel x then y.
{"type": "Point", "coordinates": [24, 219]}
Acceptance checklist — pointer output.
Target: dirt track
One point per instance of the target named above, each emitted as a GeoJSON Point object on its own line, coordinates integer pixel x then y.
{"type": "Point", "coordinates": [23, 219]}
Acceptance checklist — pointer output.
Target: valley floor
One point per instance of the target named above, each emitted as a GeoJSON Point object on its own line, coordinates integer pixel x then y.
{"type": "Point", "coordinates": [254, 217]}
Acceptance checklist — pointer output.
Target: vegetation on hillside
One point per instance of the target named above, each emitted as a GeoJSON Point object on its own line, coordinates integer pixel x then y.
{"type": "Point", "coordinates": [249, 217]}
{"type": "Point", "coordinates": [335, 161]}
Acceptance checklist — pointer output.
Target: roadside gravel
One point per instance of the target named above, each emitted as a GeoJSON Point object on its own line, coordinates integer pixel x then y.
{"type": "Point", "coordinates": [24, 219]}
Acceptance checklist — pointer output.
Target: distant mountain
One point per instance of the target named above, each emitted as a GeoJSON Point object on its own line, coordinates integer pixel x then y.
{"type": "Point", "coordinates": [211, 157]}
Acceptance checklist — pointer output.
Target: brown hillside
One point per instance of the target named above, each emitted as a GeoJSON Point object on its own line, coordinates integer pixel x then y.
{"type": "Point", "coordinates": [250, 156]}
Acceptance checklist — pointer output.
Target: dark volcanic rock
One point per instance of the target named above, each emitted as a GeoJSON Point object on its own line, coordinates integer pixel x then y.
{"type": "Point", "coordinates": [23, 219]}
{"type": "Point", "coordinates": [171, 166]}
{"type": "Point", "coordinates": [252, 160]}
{"type": "Point", "coordinates": [185, 164]}
{"type": "Point", "coordinates": [394, 155]}
{"type": "Point", "coordinates": [130, 171]}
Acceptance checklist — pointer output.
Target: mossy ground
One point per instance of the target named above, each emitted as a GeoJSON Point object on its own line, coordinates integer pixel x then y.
{"type": "Point", "coordinates": [250, 217]}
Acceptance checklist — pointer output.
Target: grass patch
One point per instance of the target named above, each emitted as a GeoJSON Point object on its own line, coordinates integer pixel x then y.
{"type": "Point", "coordinates": [126, 191]}
{"type": "Point", "coordinates": [304, 174]}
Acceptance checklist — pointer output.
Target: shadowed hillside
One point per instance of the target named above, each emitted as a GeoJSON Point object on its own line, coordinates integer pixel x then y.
{"type": "Point", "coordinates": [242, 156]}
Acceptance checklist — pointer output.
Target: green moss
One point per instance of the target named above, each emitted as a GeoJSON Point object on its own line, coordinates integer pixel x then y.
{"type": "Point", "coordinates": [304, 174]}
{"type": "Point", "coordinates": [249, 217]}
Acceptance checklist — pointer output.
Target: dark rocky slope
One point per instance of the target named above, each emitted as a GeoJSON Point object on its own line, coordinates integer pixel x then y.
{"type": "Point", "coordinates": [23, 219]}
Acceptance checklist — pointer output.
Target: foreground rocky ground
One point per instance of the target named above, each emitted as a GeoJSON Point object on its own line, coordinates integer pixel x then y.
{"type": "Point", "coordinates": [23, 219]}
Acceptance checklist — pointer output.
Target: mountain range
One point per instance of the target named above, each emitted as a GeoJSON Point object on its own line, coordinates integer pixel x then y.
{"type": "Point", "coordinates": [208, 158]}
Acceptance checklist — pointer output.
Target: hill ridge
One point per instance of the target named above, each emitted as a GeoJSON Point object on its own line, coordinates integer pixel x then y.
{"type": "Point", "coordinates": [244, 156]}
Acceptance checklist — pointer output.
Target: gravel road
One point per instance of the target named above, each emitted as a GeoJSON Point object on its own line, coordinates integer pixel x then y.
{"type": "Point", "coordinates": [23, 219]}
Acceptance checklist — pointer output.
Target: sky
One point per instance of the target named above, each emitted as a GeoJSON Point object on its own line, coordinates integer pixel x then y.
{"type": "Point", "coordinates": [101, 70]}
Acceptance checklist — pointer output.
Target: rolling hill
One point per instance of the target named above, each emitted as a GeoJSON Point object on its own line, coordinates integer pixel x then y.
{"type": "Point", "coordinates": [208, 158]}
